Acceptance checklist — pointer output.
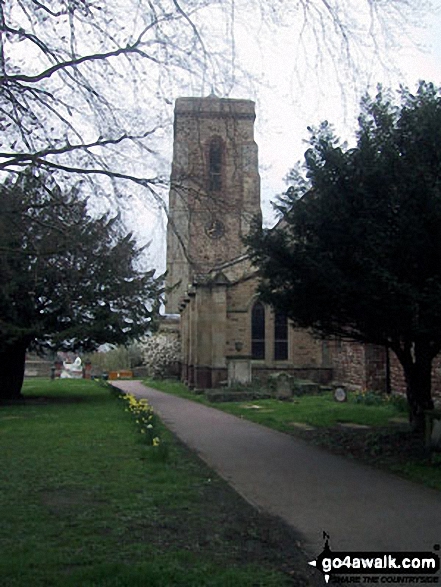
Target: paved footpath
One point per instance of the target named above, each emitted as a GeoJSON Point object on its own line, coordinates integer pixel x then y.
{"type": "Point", "coordinates": [313, 491]}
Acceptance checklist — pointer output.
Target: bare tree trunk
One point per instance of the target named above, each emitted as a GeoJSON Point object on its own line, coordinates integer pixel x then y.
{"type": "Point", "coordinates": [12, 367]}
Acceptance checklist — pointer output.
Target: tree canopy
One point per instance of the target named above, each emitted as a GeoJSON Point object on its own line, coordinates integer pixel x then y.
{"type": "Point", "coordinates": [87, 87]}
{"type": "Point", "coordinates": [85, 84]}
{"type": "Point", "coordinates": [67, 280]}
{"type": "Point", "coordinates": [357, 254]}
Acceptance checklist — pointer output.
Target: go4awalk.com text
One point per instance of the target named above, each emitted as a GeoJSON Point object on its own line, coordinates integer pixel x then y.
{"type": "Point", "coordinates": [378, 567]}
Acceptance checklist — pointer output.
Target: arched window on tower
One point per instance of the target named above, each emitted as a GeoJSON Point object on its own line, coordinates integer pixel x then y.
{"type": "Point", "coordinates": [215, 165]}
{"type": "Point", "coordinates": [280, 336]}
{"type": "Point", "coordinates": [258, 331]}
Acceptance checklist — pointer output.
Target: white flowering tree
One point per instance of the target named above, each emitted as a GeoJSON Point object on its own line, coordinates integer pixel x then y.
{"type": "Point", "coordinates": [162, 354]}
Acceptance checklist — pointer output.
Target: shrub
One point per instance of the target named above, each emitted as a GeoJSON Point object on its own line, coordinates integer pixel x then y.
{"type": "Point", "coordinates": [372, 398]}
{"type": "Point", "coordinates": [162, 355]}
{"type": "Point", "coordinates": [116, 358]}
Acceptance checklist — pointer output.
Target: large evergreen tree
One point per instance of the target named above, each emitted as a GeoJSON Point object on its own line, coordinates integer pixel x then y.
{"type": "Point", "coordinates": [67, 280]}
{"type": "Point", "coordinates": [358, 252]}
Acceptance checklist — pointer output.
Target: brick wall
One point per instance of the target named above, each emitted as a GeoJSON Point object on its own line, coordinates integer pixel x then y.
{"type": "Point", "coordinates": [348, 362]}
{"type": "Point", "coordinates": [398, 382]}
{"type": "Point", "coordinates": [364, 367]}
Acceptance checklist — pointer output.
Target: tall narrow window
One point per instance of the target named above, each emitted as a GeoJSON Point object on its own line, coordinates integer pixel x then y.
{"type": "Point", "coordinates": [215, 165]}
{"type": "Point", "coordinates": [258, 331]}
{"type": "Point", "coordinates": [280, 337]}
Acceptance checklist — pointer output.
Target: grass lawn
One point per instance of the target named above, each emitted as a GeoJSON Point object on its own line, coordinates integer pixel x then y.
{"type": "Point", "coordinates": [386, 441]}
{"type": "Point", "coordinates": [85, 502]}
{"type": "Point", "coordinates": [316, 410]}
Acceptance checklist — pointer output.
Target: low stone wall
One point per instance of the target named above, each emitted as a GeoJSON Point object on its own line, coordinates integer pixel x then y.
{"type": "Point", "coordinates": [225, 395]}
{"type": "Point", "coordinates": [38, 368]}
{"type": "Point", "coordinates": [321, 375]}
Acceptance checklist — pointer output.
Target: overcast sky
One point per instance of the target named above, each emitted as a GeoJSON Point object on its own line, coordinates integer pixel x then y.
{"type": "Point", "coordinates": [287, 101]}
{"type": "Point", "coordinates": [286, 55]}
{"type": "Point", "coordinates": [285, 111]}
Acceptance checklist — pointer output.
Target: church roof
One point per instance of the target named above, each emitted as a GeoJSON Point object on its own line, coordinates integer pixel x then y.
{"type": "Point", "coordinates": [234, 270]}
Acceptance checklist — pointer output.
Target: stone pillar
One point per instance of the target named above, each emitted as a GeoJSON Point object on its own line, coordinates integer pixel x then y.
{"type": "Point", "coordinates": [58, 364]}
{"type": "Point", "coordinates": [87, 371]}
{"type": "Point", "coordinates": [218, 330]}
{"type": "Point", "coordinates": [192, 337]}
{"type": "Point", "coordinates": [202, 362]}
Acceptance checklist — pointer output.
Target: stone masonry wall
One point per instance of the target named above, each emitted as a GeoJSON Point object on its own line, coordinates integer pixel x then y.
{"type": "Point", "coordinates": [304, 350]}
{"type": "Point", "coordinates": [348, 360]}
{"type": "Point", "coordinates": [398, 383]}
{"type": "Point", "coordinates": [206, 224]}
{"type": "Point", "coordinates": [364, 367]}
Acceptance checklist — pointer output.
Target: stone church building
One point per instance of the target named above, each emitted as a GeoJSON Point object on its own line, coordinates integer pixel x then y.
{"type": "Point", "coordinates": [227, 333]}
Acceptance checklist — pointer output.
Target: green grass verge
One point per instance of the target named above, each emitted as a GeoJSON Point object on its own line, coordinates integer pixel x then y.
{"type": "Point", "coordinates": [316, 410]}
{"type": "Point", "coordinates": [84, 502]}
{"type": "Point", "coordinates": [385, 445]}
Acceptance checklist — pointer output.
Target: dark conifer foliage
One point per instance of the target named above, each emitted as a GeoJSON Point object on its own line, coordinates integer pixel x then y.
{"type": "Point", "coordinates": [67, 280]}
{"type": "Point", "coordinates": [358, 252]}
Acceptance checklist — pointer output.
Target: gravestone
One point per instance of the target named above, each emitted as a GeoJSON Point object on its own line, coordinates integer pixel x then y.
{"type": "Point", "coordinates": [282, 385]}
{"type": "Point", "coordinates": [305, 387]}
{"type": "Point", "coordinates": [239, 371]}
{"type": "Point", "coordinates": [435, 437]}
{"type": "Point", "coordinates": [433, 430]}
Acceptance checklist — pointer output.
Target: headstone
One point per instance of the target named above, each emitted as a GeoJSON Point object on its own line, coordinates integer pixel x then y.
{"type": "Point", "coordinates": [239, 372]}
{"type": "Point", "coordinates": [305, 387]}
{"type": "Point", "coordinates": [435, 437]}
{"type": "Point", "coordinates": [340, 394]}
{"type": "Point", "coordinates": [283, 386]}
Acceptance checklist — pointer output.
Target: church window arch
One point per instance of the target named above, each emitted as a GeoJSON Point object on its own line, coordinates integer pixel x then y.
{"type": "Point", "coordinates": [280, 336]}
{"type": "Point", "coordinates": [258, 331]}
{"type": "Point", "coordinates": [215, 164]}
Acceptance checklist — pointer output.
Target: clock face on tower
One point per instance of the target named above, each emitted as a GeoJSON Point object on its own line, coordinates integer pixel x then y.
{"type": "Point", "coordinates": [215, 229]}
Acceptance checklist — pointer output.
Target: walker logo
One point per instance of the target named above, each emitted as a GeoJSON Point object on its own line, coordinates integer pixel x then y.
{"type": "Point", "coordinates": [408, 567]}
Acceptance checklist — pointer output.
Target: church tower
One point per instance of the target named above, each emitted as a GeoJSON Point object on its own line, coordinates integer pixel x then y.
{"type": "Point", "coordinates": [215, 189]}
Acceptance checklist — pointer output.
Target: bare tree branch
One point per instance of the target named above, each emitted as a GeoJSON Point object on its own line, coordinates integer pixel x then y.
{"type": "Point", "coordinates": [133, 48]}
{"type": "Point", "coordinates": [27, 158]}
{"type": "Point", "coordinates": [72, 71]}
